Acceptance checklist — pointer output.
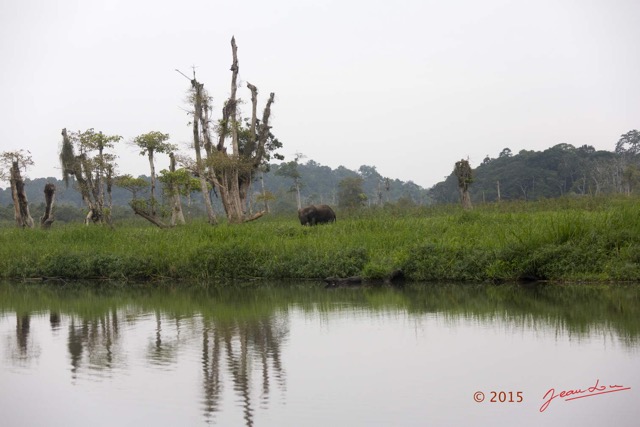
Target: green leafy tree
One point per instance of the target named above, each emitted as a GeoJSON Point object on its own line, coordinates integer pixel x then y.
{"type": "Point", "coordinates": [265, 198]}
{"type": "Point", "coordinates": [134, 185]}
{"type": "Point", "coordinates": [630, 178]}
{"type": "Point", "coordinates": [290, 170]}
{"type": "Point", "coordinates": [629, 143]}
{"type": "Point", "coordinates": [92, 168]}
{"type": "Point", "coordinates": [140, 206]}
{"type": "Point", "coordinates": [177, 183]}
{"type": "Point", "coordinates": [350, 193]}
{"type": "Point", "coordinates": [505, 153]}
{"type": "Point", "coordinates": [151, 143]}
{"type": "Point", "coordinates": [373, 183]}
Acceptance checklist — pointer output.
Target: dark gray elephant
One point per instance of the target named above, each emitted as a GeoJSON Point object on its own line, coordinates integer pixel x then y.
{"type": "Point", "coordinates": [316, 214]}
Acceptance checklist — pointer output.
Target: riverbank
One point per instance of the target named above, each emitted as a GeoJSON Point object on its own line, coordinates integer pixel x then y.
{"type": "Point", "coordinates": [571, 239]}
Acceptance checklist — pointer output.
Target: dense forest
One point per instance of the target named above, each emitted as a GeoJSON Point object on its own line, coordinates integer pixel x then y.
{"type": "Point", "coordinates": [557, 171]}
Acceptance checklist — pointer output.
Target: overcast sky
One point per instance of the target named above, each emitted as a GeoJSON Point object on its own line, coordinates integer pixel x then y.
{"type": "Point", "coordinates": [407, 86]}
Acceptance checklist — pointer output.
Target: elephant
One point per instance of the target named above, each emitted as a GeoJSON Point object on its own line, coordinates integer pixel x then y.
{"type": "Point", "coordinates": [320, 214]}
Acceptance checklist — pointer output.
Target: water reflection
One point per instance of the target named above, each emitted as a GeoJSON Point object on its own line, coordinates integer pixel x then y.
{"type": "Point", "coordinates": [233, 347]}
{"type": "Point", "coordinates": [54, 320]}
{"type": "Point", "coordinates": [21, 348]}
{"type": "Point", "coordinates": [233, 340]}
{"type": "Point", "coordinates": [163, 350]}
{"type": "Point", "coordinates": [23, 322]}
{"type": "Point", "coordinates": [93, 341]}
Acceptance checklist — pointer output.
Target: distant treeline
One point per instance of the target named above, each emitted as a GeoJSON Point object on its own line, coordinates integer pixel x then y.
{"type": "Point", "coordinates": [528, 175]}
{"type": "Point", "coordinates": [557, 171]}
{"type": "Point", "coordinates": [318, 184]}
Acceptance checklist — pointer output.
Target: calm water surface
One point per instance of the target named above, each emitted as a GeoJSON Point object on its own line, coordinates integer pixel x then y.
{"type": "Point", "coordinates": [305, 356]}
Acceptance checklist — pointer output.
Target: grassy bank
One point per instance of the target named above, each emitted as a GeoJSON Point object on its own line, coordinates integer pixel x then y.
{"type": "Point", "coordinates": [595, 239]}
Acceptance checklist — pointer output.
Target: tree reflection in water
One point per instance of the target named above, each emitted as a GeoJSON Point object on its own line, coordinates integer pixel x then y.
{"type": "Point", "coordinates": [25, 348]}
{"type": "Point", "coordinates": [23, 325]}
{"type": "Point", "coordinates": [235, 338]}
{"type": "Point", "coordinates": [163, 350]}
{"type": "Point", "coordinates": [54, 320]}
{"type": "Point", "coordinates": [97, 339]}
{"type": "Point", "coordinates": [242, 342]}
{"type": "Point", "coordinates": [245, 352]}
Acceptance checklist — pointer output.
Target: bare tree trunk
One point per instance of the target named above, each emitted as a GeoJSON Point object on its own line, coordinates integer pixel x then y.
{"type": "Point", "coordinates": [49, 196]}
{"type": "Point", "coordinates": [109, 182]}
{"type": "Point", "coordinates": [263, 131]}
{"type": "Point", "coordinates": [465, 199]}
{"type": "Point", "coordinates": [232, 98]}
{"type": "Point", "coordinates": [387, 187]}
{"type": "Point", "coordinates": [249, 205]}
{"type": "Point", "coordinates": [379, 201]}
{"type": "Point", "coordinates": [90, 195]}
{"type": "Point", "coordinates": [17, 214]}
{"type": "Point", "coordinates": [99, 178]}
{"type": "Point", "coordinates": [298, 199]}
{"type": "Point", "coordinates": [263, 136]}
{"type": "Point", "coordinates": [463, 173]}
{"type": "Point", "coordinates": [254, 216]}
{"type": "Point", "coordinates": [236, 214]}
{"type": "Point", "coordinates": [151, 219]}
{"type": "Point", "coordinates": [152, 168]}
{"type": "Point", "coordinates": [20, 202]}
{"type": "Point", "coordinates": [197, 117]}
{"type": "Point", "coordinates": [231, 173]}
{"type": "Point", "coordinates": [524, 189]}
{"type": "Point", "coordinates": [177, 217]}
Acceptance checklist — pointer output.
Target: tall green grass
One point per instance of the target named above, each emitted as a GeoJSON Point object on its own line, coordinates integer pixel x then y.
{"type": "Point", "coordinates": [591, 239]}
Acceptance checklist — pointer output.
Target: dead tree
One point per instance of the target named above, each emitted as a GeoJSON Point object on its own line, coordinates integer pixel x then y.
{"type": "Point", "coordinates": [230, 170]}
{"type": "Point", "coordinates": [49, 197]}
{"type": "Point", "coordinates": [20, 202]}
{"type": "Point", "coordinates": [200, 106]}
{"type": "Point", "coordinates": [462, 171]}
{"type": "Point", "coordinates": [11, 162]}
{"type": "Point", "coordinates": [177, 217]}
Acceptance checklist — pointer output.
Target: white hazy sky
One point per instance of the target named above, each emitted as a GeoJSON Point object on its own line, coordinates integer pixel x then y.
{"type": "Point", "coordinates": [408, 86]}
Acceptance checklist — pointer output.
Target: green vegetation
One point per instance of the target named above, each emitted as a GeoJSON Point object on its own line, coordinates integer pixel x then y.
{"type": "Point", "coordinates": [317, 184]}
{"type": "Point", "coordinates": [557, 171]}
{"type": "Point", "coordinates": [568, 239]}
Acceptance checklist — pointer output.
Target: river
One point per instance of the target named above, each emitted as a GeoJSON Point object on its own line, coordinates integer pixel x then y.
{"type": "Point", "coordinates": [297, 354]}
